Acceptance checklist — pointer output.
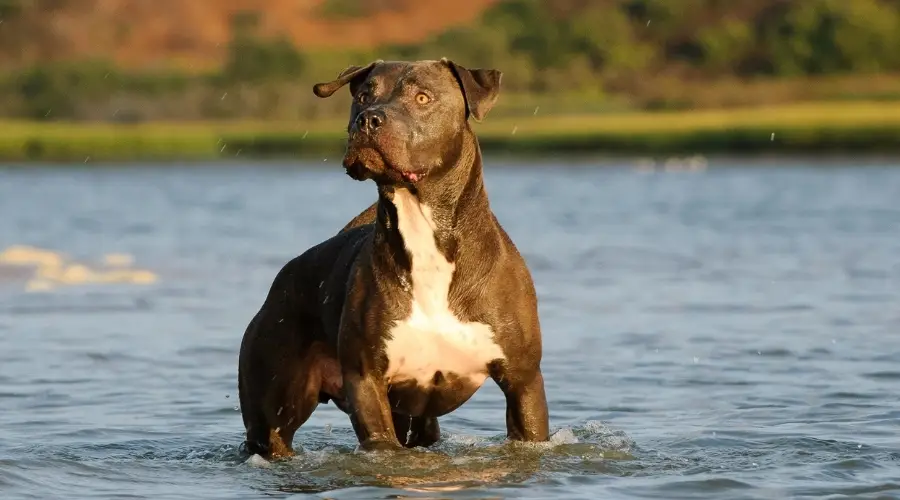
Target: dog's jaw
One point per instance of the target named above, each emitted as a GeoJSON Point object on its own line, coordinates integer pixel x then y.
{"type": "Point", "coordinates": [369, 163]}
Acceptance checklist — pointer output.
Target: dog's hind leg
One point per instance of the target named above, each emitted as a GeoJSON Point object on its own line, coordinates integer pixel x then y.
{"type": "Point", "coordinates": [279, 383]}
{"type": "Point", "coordinates": [298, 399]}
{"type": "Point", "coordinates": [416, 431]}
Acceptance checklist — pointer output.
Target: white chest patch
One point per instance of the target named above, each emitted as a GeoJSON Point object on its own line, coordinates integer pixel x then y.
{"type": "Point", "coordinates": [432, 338]}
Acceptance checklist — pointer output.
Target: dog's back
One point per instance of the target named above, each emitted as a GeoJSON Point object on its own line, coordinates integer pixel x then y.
{"type": "Point", "coordinates": [288, 349]}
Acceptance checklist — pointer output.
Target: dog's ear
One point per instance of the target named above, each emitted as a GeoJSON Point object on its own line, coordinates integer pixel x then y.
{"type": "Point", "coordinates": [480, 87]}
{"type": "Point", "coordinates": [354, 75]}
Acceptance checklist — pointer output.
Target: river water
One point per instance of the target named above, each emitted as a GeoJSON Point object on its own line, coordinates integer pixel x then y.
{"type": "Point", "coordinates": [730, 332]}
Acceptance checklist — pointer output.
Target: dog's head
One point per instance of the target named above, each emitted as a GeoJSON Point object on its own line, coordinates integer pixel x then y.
{"type": "Point", "coordinates": [408, 118]}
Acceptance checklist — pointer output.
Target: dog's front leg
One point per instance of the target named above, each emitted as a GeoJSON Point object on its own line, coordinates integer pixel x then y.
{"type": "Point", "coordinates": [527, 418]}
{"type": "Point", "coordinates": [371, 412]}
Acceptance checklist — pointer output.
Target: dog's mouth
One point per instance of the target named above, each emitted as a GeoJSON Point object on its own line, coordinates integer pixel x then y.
{"type": "Point", "coordinates": [392, 175]}
{"type": "Point", "coordinates": [410, 176]}
{"type": "Point", "coordinates": [367, 161]}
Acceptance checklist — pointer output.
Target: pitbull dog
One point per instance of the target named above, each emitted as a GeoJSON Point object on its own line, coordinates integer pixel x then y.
{"type": "Point", "coordinates": [402, 315]}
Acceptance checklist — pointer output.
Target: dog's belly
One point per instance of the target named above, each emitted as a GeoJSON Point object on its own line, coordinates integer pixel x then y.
{"type": "Point", "coordinates": [436, 362]}
{"type": "Point", "coordinates": [448, 393]}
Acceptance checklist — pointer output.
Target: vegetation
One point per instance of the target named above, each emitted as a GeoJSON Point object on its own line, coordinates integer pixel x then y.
{"type": "Point", "coordinates": [849, 127]}
{"type": "Point", "coordinates": [561, 58]}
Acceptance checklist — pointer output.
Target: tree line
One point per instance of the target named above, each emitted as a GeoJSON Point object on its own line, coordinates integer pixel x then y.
{"type": "Point", "coordinates": [599, 51]}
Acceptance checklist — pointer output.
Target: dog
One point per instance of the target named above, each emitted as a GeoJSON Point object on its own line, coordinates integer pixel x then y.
{"type": "Point", "coordinates": [400, 317]}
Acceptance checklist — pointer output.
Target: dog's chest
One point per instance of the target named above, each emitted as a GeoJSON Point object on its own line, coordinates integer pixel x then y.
{"type": "Point", "coordinates": [431, 338]}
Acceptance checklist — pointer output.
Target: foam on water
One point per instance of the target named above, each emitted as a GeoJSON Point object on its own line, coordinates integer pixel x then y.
{"type": "Point", "coordinates": [50, 269]}
{"type": "Point", "coordinates": [257, 461]}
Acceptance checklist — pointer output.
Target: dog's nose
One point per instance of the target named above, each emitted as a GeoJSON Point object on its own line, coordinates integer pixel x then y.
{"type": "Point", "coordinates": [370, 120]}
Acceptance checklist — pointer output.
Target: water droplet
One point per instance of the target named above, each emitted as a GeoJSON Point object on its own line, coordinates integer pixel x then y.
{"type": "Point", "coordinates": [773, 137]}
{"type": "Point", "coordinates": [696, 360]}
{"type": "Point", "coordinates": [236, 408]}
{"type": "Point", "coordinates": [536, 110]}
{"type": "Point", "coordinates": [327, 429]}
{"type": "Point", "coordinates": [227, 396]}
{"type": "Point", "coordinates": [280, 409]}
{"type": "Point", "coordinates": [223, 95]}
{"type": "Point", "coordinates": [515, 129]}
{"type": "Point", "coordinates": [304, 134]}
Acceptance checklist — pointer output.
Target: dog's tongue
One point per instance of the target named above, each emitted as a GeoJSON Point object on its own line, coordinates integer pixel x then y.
{"type": "Point", "coordinates": [411, 176]}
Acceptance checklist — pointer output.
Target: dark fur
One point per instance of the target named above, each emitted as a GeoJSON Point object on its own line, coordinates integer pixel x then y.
{"type": "Point", "coordinates": [320, 334]}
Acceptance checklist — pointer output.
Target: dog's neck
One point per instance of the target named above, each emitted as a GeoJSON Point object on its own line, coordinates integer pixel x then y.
{"type": "Point", "coordinates": [450, 202]}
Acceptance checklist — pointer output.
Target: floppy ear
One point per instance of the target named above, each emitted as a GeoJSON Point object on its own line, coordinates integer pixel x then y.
{"type": "Point", "coordinates": [352, 75]}
{"type": "Point", "coordinates": [480, 87]}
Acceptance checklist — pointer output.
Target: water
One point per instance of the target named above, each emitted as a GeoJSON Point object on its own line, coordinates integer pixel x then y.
{"type": "Point", "coordinates": [730, 333]}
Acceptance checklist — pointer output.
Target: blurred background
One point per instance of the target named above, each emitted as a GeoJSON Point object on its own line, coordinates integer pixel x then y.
{"type": "Point", "coordinates": [706, 192]}
{"type": "Point", "coordinates": [636, 76]}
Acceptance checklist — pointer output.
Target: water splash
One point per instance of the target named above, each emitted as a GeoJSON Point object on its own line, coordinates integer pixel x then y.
{"type": "Point", "coordinates": [458, 461]}
{"type": "Point", "coordinates": [258, 461]}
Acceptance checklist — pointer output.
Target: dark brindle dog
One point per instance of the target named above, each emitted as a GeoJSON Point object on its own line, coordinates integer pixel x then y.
{"type": "Point", "coordinates": [404, 314]}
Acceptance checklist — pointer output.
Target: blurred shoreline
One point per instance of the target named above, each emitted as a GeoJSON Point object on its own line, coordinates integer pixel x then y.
{"type": "Point", "coordinates": [809, 128]}
{"type": "Point", "coordinates": [214, 81]}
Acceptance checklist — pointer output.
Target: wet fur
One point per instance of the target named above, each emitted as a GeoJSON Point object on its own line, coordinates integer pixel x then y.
{"type": "Point", "coordinates": [400, 317]}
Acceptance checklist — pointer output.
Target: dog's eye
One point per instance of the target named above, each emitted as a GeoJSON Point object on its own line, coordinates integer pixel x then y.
{"type": "Point", "coordinates": [422, 98]}
{"type": "Point", "coordinates": [362, 98]}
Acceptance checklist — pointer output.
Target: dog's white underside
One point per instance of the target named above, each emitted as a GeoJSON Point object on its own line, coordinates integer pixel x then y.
{"type": "Point", "coordinates": [432, 338]}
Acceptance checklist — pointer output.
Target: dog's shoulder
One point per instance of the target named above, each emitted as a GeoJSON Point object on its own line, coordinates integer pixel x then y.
{"type": "Point", "coordinates": [349, 240]}
{"type": "Point", "coordinates": [365, 218]}
{"type": "Point", "coordinates": [323, 258]}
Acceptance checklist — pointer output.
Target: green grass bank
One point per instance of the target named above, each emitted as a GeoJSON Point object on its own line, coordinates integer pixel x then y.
{"type": "Point", "coordinates": [857, 127]}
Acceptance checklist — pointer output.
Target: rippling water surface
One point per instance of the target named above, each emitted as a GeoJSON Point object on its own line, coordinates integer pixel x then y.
{"type": "Point", "coordinates": [731, 333]}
